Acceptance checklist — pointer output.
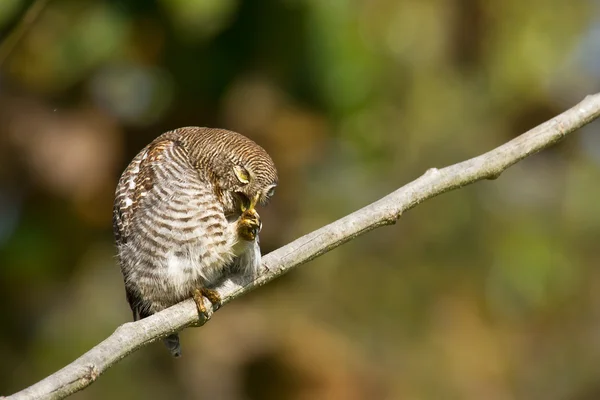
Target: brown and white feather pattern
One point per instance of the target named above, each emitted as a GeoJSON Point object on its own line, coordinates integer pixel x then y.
{"type": "Point", "coordinates": [171, 226]}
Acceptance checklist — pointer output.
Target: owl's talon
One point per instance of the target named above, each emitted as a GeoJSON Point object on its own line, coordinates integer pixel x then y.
{"type": "Point", "coordinates": [249, 225]}
{"type": "Point", "coordinates": [212, 295]}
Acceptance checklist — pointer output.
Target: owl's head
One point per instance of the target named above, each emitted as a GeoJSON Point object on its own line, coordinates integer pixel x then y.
{"type": "Point", "coordinates": [252, 186]}
{"type": "Point", "coordinates": [242, 172]}
{"type": "Point", "coordinates": [250, 177]}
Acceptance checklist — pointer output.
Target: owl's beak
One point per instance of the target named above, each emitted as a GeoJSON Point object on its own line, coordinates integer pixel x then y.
{"type": "Point", "coordinates": [252, 204]}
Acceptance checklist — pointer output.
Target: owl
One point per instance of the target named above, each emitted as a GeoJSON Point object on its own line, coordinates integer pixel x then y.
{"type": "Point", "coordinates": [185, 221]}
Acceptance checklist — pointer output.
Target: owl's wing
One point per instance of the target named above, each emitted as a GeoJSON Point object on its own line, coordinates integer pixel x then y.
{"type": "Point", "coordinates": [135, 188]}
{"type": "Point", "coordinates": [156, 185]}
{"type": "Point", "coordinates": [125, 193]}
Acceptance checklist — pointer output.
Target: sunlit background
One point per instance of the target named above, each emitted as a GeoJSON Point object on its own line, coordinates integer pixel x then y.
{"type": "Point", "coordinates": [488, 292]}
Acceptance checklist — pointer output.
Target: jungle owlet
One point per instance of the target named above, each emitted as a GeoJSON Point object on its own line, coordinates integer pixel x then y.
{"type": "Point", "coordinates": [184, 217]}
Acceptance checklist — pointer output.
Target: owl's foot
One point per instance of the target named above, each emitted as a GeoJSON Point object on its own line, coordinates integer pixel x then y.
{"type": "Point", "coordinates": [212, 295]}
{"type": "Point", "coordinates": [249, 225]}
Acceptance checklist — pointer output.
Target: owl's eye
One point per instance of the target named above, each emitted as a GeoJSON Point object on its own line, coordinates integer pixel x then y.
{"type": "Point", "coordinates": [242, 174]}
{"type": "Point", "coordinates": [271, 192]}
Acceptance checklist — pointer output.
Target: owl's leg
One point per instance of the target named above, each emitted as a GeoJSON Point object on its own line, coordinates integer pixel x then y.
{"type": "Point", "coordinates": [249, 225]}
{"type": "Point", "coordinates": [212, 295]}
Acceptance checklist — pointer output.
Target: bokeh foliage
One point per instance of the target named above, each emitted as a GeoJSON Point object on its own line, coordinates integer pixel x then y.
{"type": "Point", "coordinates": [489, 292]}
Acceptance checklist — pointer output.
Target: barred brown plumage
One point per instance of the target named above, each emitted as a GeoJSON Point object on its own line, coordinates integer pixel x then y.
{"type": "Point", "coordinates": [184, 218]}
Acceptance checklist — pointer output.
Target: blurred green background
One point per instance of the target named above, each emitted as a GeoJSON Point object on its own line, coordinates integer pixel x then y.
{"type": "Point", "coordinates": [488, 292]}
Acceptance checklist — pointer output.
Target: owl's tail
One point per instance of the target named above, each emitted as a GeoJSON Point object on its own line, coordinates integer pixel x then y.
{"type": "Point", "coordinates": [172, 343]}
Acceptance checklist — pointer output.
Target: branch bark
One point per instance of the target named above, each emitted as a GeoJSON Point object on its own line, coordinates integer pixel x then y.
{"type": "Point", "coordinates": [131, 336]}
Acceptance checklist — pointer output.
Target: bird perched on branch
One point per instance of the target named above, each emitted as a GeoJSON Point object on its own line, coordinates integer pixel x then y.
{"type": "Point", "coordinates": [184, 218]}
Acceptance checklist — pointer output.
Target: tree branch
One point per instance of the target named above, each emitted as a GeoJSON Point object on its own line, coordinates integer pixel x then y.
{"type": "Point", "coordinates": [131, 336]}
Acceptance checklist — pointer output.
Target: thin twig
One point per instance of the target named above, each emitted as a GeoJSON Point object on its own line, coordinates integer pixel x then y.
{"type": "Point", "coordinates": [32, 14]}
{"type": "Point", "coordinates": [134, 335]}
